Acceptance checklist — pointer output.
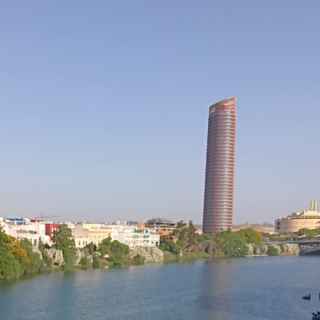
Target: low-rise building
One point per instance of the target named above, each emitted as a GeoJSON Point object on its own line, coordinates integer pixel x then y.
{"type": "Point", "coordinates": [164, 227]}
{"type": "Point", "coordinates": [134, 237]}
{"type": "Point", "coordinates": [51, 228]}
{"type": "Point", "coordinates": [24, 228]}
{"type": "Point", "coordinates": [85, 234]}
{"type": "Point", "coordinates": [305, 219]}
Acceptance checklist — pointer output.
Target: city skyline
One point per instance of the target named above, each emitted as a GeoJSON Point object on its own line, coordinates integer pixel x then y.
{"type": "Point", "coordinates": [104, 107]}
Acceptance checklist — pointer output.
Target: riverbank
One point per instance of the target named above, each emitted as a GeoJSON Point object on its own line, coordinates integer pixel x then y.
{"type": "Point", "coordinates": [185, 242]}
{"type": "Point", "coordinates": [18, 259]}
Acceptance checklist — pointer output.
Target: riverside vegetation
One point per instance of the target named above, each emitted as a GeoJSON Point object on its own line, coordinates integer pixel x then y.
{"type": "Point", "coordinates": [186, 244]}
{"type": "Point", "coordinates": [18, 258]}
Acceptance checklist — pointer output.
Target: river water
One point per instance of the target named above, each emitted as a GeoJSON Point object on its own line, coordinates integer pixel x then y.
{"type": "Point", "coordinates": [235, 289]}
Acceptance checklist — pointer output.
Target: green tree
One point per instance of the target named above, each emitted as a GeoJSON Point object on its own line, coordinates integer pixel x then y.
{"type": "Point", "coordinates": [251, 236]}
{"type": "Point", "coordinates": [10, 268]}
{"type": "Point", "coordinates": [84, 263]}
{"type": "Point", "coordinates": [272, 251]}
{"type": "Point", "coordinates": [91, 248]}
{"type": "Point", "coordinates": [118, 253]}
{"type": "Point", "coordinates": [33, 264]}
{"type": "Point", "coordinates": [137, 260]}
{"type": "Point", "coordinates": [96, 262]}
{"type": "Point", "coordinates": [64, 241]}
{"type": "Point", "coordinates": [231, 244]}
{"type": "Point", "coordinates": [169, 246]}
{"type": "Point", "coordinates": [17, 258]}
{"type": "Point", "coordinates": [105, 246]}
{"type": "Point", "coordinates": [46, 260]}
{"type": "Point", "coordinates": [185, 236]}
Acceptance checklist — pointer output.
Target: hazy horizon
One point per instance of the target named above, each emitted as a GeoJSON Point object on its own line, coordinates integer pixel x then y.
{"type": "Point", "coordinates": [105, 106]}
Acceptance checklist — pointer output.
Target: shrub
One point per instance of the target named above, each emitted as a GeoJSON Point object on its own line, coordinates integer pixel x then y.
{"type": "Point", "coordinates": [17, 258]}
{"type": "Point", "coordinates": [84, 263]}
{"type": "Point", "coordinates": [231, 244]}
{"type": "Point", "coordinates": [272, 251]}
{"type": "Point", "coordinates": [96, 262]}
{"type": "Point", "coordinates": [64, 241]}
{"type": "Point", "coordinates": [251, 236]}
{"type": "Point", "coordinates": [10, 268]}
{"type": "Point", "coordinates": [118, 253]}
{"type": "Point", "coordinates": [170, 246]}
{"type": "Point", "coordinates": [138, 260]}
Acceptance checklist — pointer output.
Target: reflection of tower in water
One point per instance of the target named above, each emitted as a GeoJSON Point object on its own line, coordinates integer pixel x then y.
{"type": "Point", "coordinates": [217, 285]}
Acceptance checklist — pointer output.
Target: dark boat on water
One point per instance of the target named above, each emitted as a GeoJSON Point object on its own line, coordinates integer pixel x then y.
{"type": "Point", "coordinates": [307, 297]}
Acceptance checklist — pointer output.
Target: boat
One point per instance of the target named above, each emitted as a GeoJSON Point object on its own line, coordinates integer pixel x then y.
{"type": "Point", "coordinates": [307, 297]}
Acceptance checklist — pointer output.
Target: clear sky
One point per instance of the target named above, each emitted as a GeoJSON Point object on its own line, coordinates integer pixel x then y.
{"type": "Point", "coordinates": [104, 105]}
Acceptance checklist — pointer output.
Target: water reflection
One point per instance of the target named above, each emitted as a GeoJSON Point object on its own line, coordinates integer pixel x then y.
{"type": "Point", "coordinates": [235, 289]}
{"type": "Point", "coordinates": [217, 286]}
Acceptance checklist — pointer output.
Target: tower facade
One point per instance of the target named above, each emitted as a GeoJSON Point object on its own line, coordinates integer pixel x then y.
{"type": "Point", "coordinates": [220, 167]}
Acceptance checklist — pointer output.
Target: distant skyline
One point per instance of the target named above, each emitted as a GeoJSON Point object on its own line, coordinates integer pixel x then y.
{"type": "Point", "coordinates": [104, 106]}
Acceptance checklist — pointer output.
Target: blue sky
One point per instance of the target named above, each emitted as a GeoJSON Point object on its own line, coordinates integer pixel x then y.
{"type": "Point", "coordinates": [104, 105]}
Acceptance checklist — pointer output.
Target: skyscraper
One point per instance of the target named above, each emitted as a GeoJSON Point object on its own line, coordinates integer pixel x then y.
{"type": "Point", "coordinates": [220, 167]}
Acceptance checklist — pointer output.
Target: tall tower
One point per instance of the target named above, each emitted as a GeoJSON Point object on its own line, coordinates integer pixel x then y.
{"type": "Point", "coordinates": [220, 167]}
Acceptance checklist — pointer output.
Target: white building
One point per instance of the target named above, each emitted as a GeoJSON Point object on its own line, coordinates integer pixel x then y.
{"type": "Point", "coordinates": [23, 228]}
{"type": "Point", "coordinates": [133, 236]}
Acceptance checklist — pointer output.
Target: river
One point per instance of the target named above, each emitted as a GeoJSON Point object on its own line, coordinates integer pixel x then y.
{"type": "Point", "coordinates": [231, 289]}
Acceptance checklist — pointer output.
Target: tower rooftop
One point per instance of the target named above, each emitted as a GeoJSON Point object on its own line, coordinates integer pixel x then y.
{"type": "Point", "coordinates": [228, 102]}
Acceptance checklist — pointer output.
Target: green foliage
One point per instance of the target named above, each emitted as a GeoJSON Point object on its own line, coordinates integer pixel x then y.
{"type": "Point", "coordinates": [47, 262]}
{"type": "Point", "coordinates": [84, 263]}
{"type": "Point", "coordinates": [17, 258]}
{"type": "Point", "coordinates": [184, 239]}
{"type": "Point", "coordinates": [64, 241]}
{"type": "Point", "coordinates": [34, 264]}
{"type": "Point", "coordinates": [309, 233]}
{"type": "Point", "coordinates": [272, 251]}
{"type": "Point", "coordinates": [90, 248]}
{"type": "Point", "coordinates": [116, 252]}
{"type": "Point", "coordinates": [186, 236]}
{"type": "Point", "coordinates": [231, 244]}
{"type": "Point", "coordinates": [187, 244]}
{"type": "Point", "coordinates": [10, 268]}
{"type": "Point", "coordinates": [96, 264]}
{"type": "Point", "coordinates": [105, 246]}
{"type": "Point", "coordinates": [251, 236]}
{"type": "Point", "coordinates": [137, 260]}
{"type": "Point", "coordinates": [169, 246]}
{"type": "Point", "coordinates": [204, 237]}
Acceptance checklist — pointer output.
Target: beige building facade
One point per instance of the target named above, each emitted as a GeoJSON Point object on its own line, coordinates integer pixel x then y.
{"type": "Point", "coordinates": [305, 219]}
{"type": "Point", "coordinates": [86, 234]}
